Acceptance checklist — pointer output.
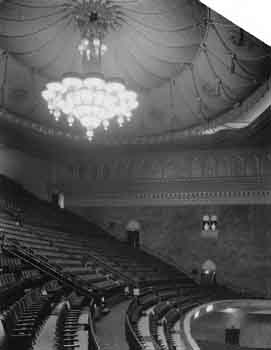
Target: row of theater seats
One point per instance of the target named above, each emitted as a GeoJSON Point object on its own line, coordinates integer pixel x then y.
{"type": "Point", "coordinates": [22, 321]}
{"type": "Point", "coordinates": [9, 264]}
{"type": "Point", "coordinates": [13, 285]}
{"type": "Point", "coordinates": [49, 316]}
{"type": "Point", "coordinates": [153, 319]}
{"type": "Point", "coordinates": [67, 252]}
{"type": "Point", "coordinates": [8, 279]}
{"type": "Point", "coordinates": [79, 251]}
{"type": "Point", "coordinates": [67, 332]}
{"type": "Point", "coordinates": [118, 256]}
{"type": "Point", "coordinates": [101, 262]}
{"type": "Point", "coordinates": [22, 205]}
{"type": "Point", "coordinates": [134, 264]}
{"type": "Point", "coordinates": [71, 255]}
{"type": "Point", "coordinates": [37, 215]}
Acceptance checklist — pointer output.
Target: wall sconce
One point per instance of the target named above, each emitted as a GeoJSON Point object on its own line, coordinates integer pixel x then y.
{"type": "Point", "coordinates": [209, 226]}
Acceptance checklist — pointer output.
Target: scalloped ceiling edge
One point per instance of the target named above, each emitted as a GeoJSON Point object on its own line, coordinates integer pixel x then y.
{"type": "Point", "coordinates": [237, 118]}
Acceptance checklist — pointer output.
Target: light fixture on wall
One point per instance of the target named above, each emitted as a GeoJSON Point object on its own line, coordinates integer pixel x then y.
{"type": "Point", "coordinates": [205, 223]}
{"type": "Point", "coordinates": [209, 226]}
{"type": "Point", "coordinates": [209, 223]}
{"type": "Point", "coordinates": [89, 97]}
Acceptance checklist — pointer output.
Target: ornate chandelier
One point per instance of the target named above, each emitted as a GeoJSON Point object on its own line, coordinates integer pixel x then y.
{"type": "Point", "coordinates": [91, 98]}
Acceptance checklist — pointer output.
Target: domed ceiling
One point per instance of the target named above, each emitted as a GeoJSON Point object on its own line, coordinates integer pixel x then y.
{"type": "Point", "coordinates": [188, 65]}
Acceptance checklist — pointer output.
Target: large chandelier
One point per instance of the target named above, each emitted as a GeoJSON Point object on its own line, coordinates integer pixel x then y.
{"type": "Point", "coordinates": [91, 98]}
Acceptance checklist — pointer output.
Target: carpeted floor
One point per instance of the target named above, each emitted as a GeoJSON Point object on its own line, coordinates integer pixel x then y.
{"type": "Point", "coordinates": [46, 338]}
{"type": "Point", "coordinates": [110, 330]}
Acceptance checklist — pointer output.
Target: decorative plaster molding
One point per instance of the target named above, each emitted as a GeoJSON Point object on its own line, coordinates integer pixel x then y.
{"type": "Point", "coordinates": [181, 165]}
{"type": "Point", "coordinates": [244, 113]}
{"type": "Point", "coordinates": [238, 117]}
{"type": "Point", "coordinates": [173, 199]}
{"type": "Point", "coordinates": [41, 129]}
{"type": "Point", "coordinates": [241, 176]}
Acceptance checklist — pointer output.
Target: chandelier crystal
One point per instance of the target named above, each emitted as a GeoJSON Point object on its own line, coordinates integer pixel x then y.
{"type": "Point", "coordinates": [91, 98]}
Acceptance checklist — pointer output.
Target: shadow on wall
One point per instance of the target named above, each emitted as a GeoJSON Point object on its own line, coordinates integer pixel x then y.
{"type": "Point", "coordinates": [31, 172]}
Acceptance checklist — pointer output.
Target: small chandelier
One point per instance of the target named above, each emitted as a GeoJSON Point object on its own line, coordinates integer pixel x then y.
{"type": "Point", "coordinates": [91, 49]}
{"type": "Point", "coordinates": [91, 98]}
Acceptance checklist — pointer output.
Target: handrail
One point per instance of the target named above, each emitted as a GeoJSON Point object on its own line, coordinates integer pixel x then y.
{"type": "Point", "coordinates": [128, 327]}
{"type": "Point", "coordinates": [110, 268]}
{"type": "Point", "coordinates": [93, 342]}
{"type": "Point", "coordinates": [189, 302]}
{"type": "Point", "coordinates": [44, 266]}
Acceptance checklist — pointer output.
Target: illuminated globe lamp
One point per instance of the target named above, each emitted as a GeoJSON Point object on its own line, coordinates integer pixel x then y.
{"type": "Point", "coordinates": [91, 99]}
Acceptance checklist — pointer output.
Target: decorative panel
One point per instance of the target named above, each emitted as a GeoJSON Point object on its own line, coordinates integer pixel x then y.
{"type": "Point", "coordinates": [234, 176]}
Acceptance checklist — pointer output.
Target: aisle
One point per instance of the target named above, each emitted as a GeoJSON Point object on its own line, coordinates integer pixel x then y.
{"type": "Point", "coordinates": [46, 338]}
{"type": "Point", "coordinates": [110, 330]}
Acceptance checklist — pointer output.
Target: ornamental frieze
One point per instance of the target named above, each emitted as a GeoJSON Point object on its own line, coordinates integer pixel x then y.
{"type": "Point", "coordinates": [194, 165]}
{"type": "Point", "coordinates": [174, 198]}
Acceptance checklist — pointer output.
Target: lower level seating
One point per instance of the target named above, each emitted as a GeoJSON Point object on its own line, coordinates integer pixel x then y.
{"type": "Point", "coordinates": [152, 320]}
{"type": "Point", "coordinates": [24, 318]}
{"type": "Point", "coordinates": [86, 259]}
{"type": "Point", "coordinates": [67, 329]}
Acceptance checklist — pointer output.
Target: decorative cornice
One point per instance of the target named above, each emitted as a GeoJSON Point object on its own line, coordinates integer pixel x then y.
{"type": "Point", "coordinates": [242, 176]}
{"type": "Point", "coordinates": [173, 198]}
{"type": "Point", "coordinates": [246, 165]}
{"type": "Point", "coordinates": [244, 113]}
{"type": "Point", "coordinates": [238, 117]}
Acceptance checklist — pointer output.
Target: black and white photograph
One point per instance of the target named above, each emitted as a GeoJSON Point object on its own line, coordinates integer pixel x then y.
{"type": "Point", "coordinates": [135, 175]}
